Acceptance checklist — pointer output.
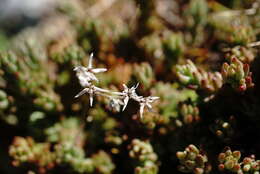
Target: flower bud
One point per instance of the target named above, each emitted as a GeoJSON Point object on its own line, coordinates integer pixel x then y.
{"type": "Point", "coordinates": [221, 167]}
{"type": "Point", "coordinates": [228, 152]}
{"type": "Point", "coordinates": [198, 171]}
{"type": "Point", "coordinates": [237, 154]}
{"type": "Point", "coordinates": [236, 167]}
{"type": "Point", "coordinates": [221, 157]}
{"type": "Point", "coordinates": [246, 167]}
{"type": "Point", "coordinates": [247, 160]}
{"type": "Point", "coordinates": [181, 155]}
{"type": "Point", "coordinates": [193, 148]}
{"type": "Point", "coordinates": [229, 164]}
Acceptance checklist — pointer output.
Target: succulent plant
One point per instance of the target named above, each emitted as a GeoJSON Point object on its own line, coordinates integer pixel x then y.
{"type": "Point", "coordinates": [237, 74]}
{"type": "Point", "coordinates": [192, 160]}
{"type": "Point", "coordinates": [143, 153]}
{"type": "Point", "coordinates": [166, 74]}
{"type": "Point", "coordinates": [230, 161]}
{"type": "Point", "coordinates": [196, 78]}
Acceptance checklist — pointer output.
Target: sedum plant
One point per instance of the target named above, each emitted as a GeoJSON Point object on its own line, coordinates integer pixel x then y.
{"type": "Point", "coordinates": [192, 160]}
{"type": "Point", "coordinates": [197, 78]}
{"type": "Point", "coordinates": [193, 65]}
{"type": "Point", "coordinates": [143, 153]}
{"type": "Point", "coordinates": [230, 161]}
{"type": "Point", "coordinates": [237, 74]}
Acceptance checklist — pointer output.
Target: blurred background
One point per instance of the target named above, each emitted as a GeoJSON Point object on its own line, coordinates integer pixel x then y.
{"type": "Point", "coordinates": [198, 56]}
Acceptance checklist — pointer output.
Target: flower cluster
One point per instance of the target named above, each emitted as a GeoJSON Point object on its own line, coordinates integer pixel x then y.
{"type": "Point", "coordinates": [86, 76]}
{"type": "Point", "coordinates": [244, 54]}
{"type": "Point", "coordinates": [64, 147]}
{"type": "Point", "coordinates": [237, 74]}
{"type": "Point", "coordinates": [67, 153]}
{"type": "Point", "coordinates": [27, 150]}
{"type": "Point", "coordinates": [196, 78]}
{"type": "Point", "coordinates": [146, 157]}
{"type": "Point", "coordinates": [230, 161]}
{"type": "Point", "coordinates": [27, 71]}
{"type": "Point", "coordinates": [189, 113]}
{"type": "Point", "coordinates": [192, 160]}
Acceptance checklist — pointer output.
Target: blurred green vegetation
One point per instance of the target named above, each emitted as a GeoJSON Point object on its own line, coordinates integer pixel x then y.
{"type": "Point", "coordinates": [199, 56]}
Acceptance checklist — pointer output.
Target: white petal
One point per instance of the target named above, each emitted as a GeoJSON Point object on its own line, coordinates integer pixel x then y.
{"type": "Point", "coordinates": [141, 110]}
{"type": "Point", "coordinates": [136, 86]}
{"type": "Point", "coordinates": [149, 106]}
{"type": "Point", "coordinates": [91, 99]}
{"type": "Point", "coordinates": [82, 92]}
{"type": "Point", "coordinates": [126, 99]}
{"type": "Point", "coordinates": [125, 87]}
{"type": "Point", "coordinates": [75, 68]}
{"type": "Point", "coordinates": [98, 70]}
{"type": "Point", "coordinates": [90, 61]}
{"type": "Point", "coordinates": [152, 98]}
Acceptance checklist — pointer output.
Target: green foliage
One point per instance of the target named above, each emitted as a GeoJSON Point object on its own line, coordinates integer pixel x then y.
{"type": "Point", "coordinates": [199, 57]}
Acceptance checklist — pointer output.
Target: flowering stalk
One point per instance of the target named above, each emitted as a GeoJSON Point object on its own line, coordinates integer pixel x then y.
{"type": "Point", "coordinates": [86, 76]}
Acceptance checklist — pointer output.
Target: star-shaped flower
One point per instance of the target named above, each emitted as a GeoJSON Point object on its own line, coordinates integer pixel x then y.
{"type": "Point", "coordinates": [87, 74]}
{"type": "Point", "coordinates": [128, 93]}
{"type": "Point", "coordinates": [90, 90]}
{"type": "Point", "coordinates": [146, 101]}
{"type": "Point", "coordinates": [90, 66]}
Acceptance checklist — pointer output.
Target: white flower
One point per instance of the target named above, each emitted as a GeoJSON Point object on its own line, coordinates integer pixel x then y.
{"type": "Point", "coordinates": [90, 66]}
{"type": "Point", "coordinates": [129, 93]}
{"type": "Point", "coordinates": [90, 90]}
{"type": "Point", "coordinates": [86, 74]}
{"type": "Point", "coordinates": [146, 101]}
{"type": "Point", "coordinates": [84, 77]}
